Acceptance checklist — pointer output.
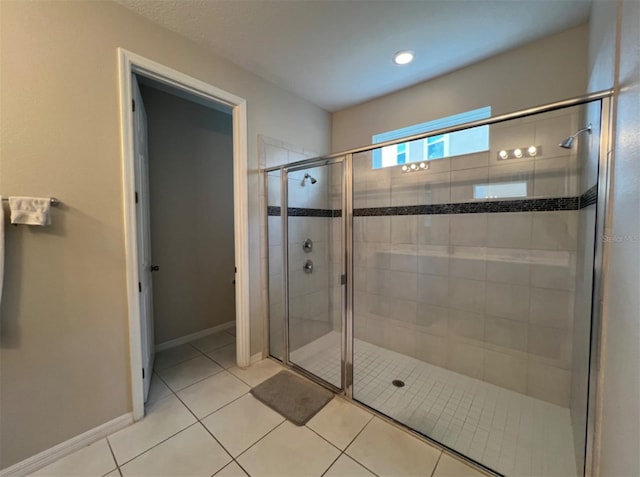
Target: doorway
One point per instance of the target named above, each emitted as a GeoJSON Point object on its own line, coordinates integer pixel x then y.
{"type": "Point", "coordinates": [138, 270]}
{"type": "Point", "coordinates": [187, 203]}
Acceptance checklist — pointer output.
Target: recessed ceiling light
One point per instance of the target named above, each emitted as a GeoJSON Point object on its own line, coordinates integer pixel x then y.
{"type": "Point", "coordinates": [403, 57]}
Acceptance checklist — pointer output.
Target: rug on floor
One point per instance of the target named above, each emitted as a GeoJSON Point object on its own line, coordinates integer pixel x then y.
{"type": "Point", "coordinates": [294, 398]}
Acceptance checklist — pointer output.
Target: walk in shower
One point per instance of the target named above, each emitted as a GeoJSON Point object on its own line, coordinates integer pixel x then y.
{"type": "Point", "coordinates": [452, 292]}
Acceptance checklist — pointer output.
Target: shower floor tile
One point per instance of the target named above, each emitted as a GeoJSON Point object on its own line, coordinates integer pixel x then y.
{"type": "Point", "coordinates": [509, 432]}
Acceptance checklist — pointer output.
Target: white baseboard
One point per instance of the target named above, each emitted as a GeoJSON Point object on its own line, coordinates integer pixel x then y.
{"type": "Point", "coordinates": [256, 357]}
{"type": "Point", "coordinates": [63, 449]}
{"type": "Point", "coordinates": [194, 336]}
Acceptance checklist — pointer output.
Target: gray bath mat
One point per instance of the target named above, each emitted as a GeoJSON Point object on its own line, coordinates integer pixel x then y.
{"type": "Point", "coordinates": [293, 397]}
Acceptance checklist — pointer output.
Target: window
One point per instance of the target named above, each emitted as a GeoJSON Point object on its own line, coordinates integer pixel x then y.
{"type": "Point", "coordinates": [401, 153]}
{"type": "Point", "coordinates": [436, 147]}
{"type": "Point", "coordinates": [499, 191]}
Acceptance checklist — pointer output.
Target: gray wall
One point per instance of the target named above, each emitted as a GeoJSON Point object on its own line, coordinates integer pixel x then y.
{"type": "Point", "coordinates": [65, 285]}
{"type": "Point", "coordinates": [615, 61]}
{"type": "Point", "coordinates": [191, 182]}
{"type": "Point", "coordinates": [546, 70]}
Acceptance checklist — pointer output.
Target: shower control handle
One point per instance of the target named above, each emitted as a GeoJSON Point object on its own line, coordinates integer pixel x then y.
{"type": "Point", "coordinates": [308, 266]}
{"type": "Point", "coordinates": [307, 245]}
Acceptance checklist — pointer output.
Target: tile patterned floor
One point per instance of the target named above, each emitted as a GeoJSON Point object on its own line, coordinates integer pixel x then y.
{"type": "Point", "coordinates": [202, 424]}
{"type": "Point", "coordinates": [512, 433]}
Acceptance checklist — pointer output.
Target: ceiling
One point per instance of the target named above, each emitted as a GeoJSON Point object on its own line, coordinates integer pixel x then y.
{"type": "Point", "coordinates": [339, 53]}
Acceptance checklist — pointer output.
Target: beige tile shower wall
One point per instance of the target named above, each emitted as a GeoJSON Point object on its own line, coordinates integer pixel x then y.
{"type": "Point", "coordinates": [310, 295]}
{"type": "Point", "coordinates": [487, 295]}
{"type": "Point", "coordinates": [273, 152]}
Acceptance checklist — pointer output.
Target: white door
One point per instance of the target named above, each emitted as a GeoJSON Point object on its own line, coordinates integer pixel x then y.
{"type": "Point", "coordinates": [145, 288]}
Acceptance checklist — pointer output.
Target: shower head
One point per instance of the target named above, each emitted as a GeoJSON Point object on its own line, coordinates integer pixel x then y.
{"type": "Point", "coordinates": [308, 176]}
{"type": "Point", "coordinates": [568, 142]}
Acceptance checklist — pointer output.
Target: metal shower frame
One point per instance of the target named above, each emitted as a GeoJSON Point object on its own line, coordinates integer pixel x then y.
{"type": "Point", "coordinates": [346, 159]}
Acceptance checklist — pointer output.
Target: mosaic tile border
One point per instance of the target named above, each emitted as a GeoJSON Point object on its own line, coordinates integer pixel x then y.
{"type": "Point", "coordinates": [590, 197]}
{"type": "Point", "coordinates": [493, 206]}
{"type": "Point", "coordinates": [483, 207]}
{"type": "Point", "coordinates": [274, 211]}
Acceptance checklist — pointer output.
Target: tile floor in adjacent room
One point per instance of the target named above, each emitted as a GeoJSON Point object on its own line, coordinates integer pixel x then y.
{"type": "Point", "coordinates": [514, 434]}
{"type": "Point", "coordinates": [202, 421]}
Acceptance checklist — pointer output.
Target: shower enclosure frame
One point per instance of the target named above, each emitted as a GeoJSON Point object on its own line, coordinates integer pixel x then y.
{"type": "Point", "coordinates": [284, 202]}
{"type": "Point", "coordinates": [602, 220]}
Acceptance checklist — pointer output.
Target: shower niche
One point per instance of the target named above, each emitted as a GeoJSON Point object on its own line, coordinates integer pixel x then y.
{"type": "Point", "coordinates": [452, 295]}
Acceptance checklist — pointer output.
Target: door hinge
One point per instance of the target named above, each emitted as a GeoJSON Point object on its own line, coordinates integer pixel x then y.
{"type": "Point", "coordinates": [133, 105]}
{"type": "Point", "coordinates": [142, 373]}
{"type": "Point", "coordinates": [343, 279]}
{"type": "Point", "coordinates": [136, 197]}
{"type": "Point", "coordinates": [139, 287]}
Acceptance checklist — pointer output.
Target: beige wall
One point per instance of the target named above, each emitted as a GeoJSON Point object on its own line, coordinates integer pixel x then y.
{"type": "Point", "coordinates": [547, 70]}
{"type": "Point", "coordinates": [619, 390]}
{"type": "Point", "coordinates": [191, 198]}
{"type": "Point", "coordinates": [64, 356]}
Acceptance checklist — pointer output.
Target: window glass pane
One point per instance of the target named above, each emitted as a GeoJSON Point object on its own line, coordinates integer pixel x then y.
{"type": "Point", "coordinates": [498, 191]}
{"type": "Point", "coordinates": [436, 150]}
{"type": "Point", "coordinates": [436, 147]}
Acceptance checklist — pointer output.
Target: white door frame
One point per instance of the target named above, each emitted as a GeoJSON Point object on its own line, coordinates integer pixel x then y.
{"type": "Point", "coordinates": [132, 63]}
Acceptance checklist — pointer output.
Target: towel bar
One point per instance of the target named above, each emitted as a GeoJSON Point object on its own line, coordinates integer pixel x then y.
{"type": "Point", "coordinates": [54, 202]}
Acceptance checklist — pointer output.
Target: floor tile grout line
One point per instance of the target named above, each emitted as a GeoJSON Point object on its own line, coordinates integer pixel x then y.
{"type": "Point", "coordinates": [323, 438]}
{"type": "Point", "coordinates": [243, 469]}
{"type": "Point", "coordinates": [214, 437]}
{"type": "Point", "coordinates": [198, 421]}
{"type": "Point", "coordinates": [197, 349]}
{"type": "Point", "coordinates": [342, 452]}
{"type": "Point", "coordinates": [360, 432]}
{"type": "Point", "coordinates": [156, 445]}
{"type": "Point", "coordinates": [207, 429]}
{"type": "Point", "coordinates": [179, 362]}
{"type": "Point", "coordinates": [227, 465]}
{"type": "Point", "coordinates": [172, 435]}
{"type": "Point", "coordinates": [435, 467]}
{"type": "Point", "coordinates": [223, 406]}
{"type": "Point", "coordinates": [212, 349]}
{"type": "Point", "coordinates": [113, 455]}
{"type": "Point", "coordinates": [212, 412]}
{"type": "Point", "coordinates": [194, 383]}
{"type": "Point", "coordinates": [252, 445]}
{"type": "Point", "coordinates": [249, 384]}
{"type": "Point", "coordinates": [331, 465]}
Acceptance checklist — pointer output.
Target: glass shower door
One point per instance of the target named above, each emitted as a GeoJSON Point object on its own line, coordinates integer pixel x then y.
{"type": "Point", "coordinates": [473, 293]}
{"type": "Point", "coordinates": [315, 270]}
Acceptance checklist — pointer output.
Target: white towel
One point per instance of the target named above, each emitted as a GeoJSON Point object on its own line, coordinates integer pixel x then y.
{"type": "Point", "coordinates": [1, 246]}
{"type": "Point", "coordinates": [30, 210]}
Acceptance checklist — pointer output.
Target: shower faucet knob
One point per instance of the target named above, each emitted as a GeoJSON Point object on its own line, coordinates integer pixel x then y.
{"type": "Point", "coordinates": [308, 266]}
{"type": "Point", "coordinates": [307, 245]}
